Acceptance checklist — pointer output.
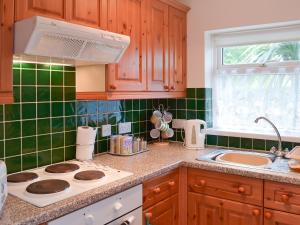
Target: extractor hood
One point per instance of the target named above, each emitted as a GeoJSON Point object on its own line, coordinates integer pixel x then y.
{"type": "Point", "coordinates": [40, 36]}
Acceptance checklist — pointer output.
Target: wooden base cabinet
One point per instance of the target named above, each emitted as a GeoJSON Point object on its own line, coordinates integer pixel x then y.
{"type": "Point", "coordinates": [208, 210]}
{"type": "Point", "coordinates": [274, 217]}
{"type": "Point", "coordinates": [163, 213]}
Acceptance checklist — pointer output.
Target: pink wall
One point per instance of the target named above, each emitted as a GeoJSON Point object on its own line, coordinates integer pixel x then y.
{"type": "Point", "coordinates": [216, 14]}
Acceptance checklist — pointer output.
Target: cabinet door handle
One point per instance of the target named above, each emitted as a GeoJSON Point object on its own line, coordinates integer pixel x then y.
{"type": "Point", "coordinates": [171, 183]}
{"type": "Point", "coordinates": [166, 87]}
{"type": "Point", "coordinates": [268, 215]}
{"type": "Point", "coordinates": [156, 190]}
{"type": "Point", "coordinates": [241, 190]}
{"type": "Point", "coordinates": [255, 212]}
{"type": "Point", "coordinates": [172, 88]}
{"type": "Point", "coordinates": [285, 198]}
{"type": "Point", "coordinates": [113, 87]}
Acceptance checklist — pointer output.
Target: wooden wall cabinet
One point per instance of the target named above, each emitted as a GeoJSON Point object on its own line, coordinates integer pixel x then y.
{"type": "Point", "coordinates": [91, 13]}
{"type": "Point", "coordinates": [126, 17]}
{"type": "Point", "coordinates": [154, 65]}
{"type": "Point", "coordinates": [6, 50]}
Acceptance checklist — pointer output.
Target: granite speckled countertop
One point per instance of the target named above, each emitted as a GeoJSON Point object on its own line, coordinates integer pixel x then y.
{"type": "Point", "coordinates": [143, 166]}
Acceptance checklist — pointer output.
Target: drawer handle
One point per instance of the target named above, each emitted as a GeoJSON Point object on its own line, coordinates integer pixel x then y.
{"type": "Point", "coordinates": [241, 190]}
{"type": "Point", "coordinates": [113, 87]}
{"type": "Point", "coordinates": [255, 212]}
{"type": "Point", "coordinates": [156, 190]}
{"type": "Point", "coordinates": [202, 184]}
{"type": "Point", "coordinates": [285, 198]}
{"type": "Point", "coordinates": [268, 215]}
{"type": "Point", "coordinates": [171, 183]}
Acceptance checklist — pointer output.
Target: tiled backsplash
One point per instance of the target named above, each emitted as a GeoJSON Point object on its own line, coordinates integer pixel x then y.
{"type": "Point", "coordinates": [40, 127]}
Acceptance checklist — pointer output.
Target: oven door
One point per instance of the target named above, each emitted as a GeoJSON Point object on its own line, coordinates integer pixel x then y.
{"type": "Point", "coordinates": [132, 218]}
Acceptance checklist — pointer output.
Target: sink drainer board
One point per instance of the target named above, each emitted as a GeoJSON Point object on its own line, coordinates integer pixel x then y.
{"type": "Point", "coordinates": [240, 158]}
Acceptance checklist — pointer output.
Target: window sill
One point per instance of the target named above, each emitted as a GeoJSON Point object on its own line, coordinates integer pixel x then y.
{"type": "Point", "coordinates": [285, 136]}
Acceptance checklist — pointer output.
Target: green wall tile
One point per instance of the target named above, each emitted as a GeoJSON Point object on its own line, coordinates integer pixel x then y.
{"type": "Point", "coordinates": [58, 155]}
{"type": "Point", "coordinates": [16, 76]}
{"type": "Point", "coordinates": [28, 77]}
{"type": "Point", "coordinates": [29, 161]}
{"type": "Point", "coordinates": [246, 143]}
{"type": "Point", "coordinates": [28, 127]}
{"type": "Point", "coordinates": [235, 142]}
{"type": "Point", "coordinates": [12, 129]}
{"type": "Point", "coordinates": [57, 94]}
{"type": "Point", "coordinates": [223, 141]}
{"type": "Point", "coordinates": [12, 112]}
{"type": "Point", "coordinates": [12, 147]}
{"type": "Point", "coordinates": [28, 111]}
{"type": "Point", "coordinates": [43, 77]}
{"type": "Point", "coordinates": [28, 94]}
{"type": "Point", "coordinates": [69, 78]}
{"type": "Point", "coordinates": [70, 138]}
{"type": "Point", "coordinates": [43, 126]}
{"type": "Point", "coordinates": [58, 124]}
{"type": "Point", "coordinates": [44, 158]}
{"type": "Point", "coordinates": [29, 144]}
{"type": "Point", "coordinates": [58, 140]}
{"type": "Point", "coordinates": [43, 110]}
{"type": "Point", "coordinates": [13, 164]}
{"type": "Point", "coordinates": [57, 78]}
{"type": "Point", "coordinates": [259, 144]}
{"type": "Point", "coordinates": [191, 92]}
{"type": "Point", "coordinates": [44, 142]}
{"type": "Point", "coordinates": [1, 149]}
{"type": "Point", "coordinates": [57, 109]}
{"type": "Point", "coordinates": [43, 94]}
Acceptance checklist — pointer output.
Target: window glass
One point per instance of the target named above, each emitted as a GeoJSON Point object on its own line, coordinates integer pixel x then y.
{"type": "Point", "coordinates": [261, 53]}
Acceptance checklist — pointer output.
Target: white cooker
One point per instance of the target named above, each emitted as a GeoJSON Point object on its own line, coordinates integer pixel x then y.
{"type": "Point", "coordinates": [3, 185]}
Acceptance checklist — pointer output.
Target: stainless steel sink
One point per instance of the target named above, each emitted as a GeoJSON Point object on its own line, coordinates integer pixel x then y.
{"type": "Point", "coordinates": [240, 158]}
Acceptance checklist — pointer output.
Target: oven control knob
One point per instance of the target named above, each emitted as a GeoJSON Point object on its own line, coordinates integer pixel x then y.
{"type": "Point", "coordinates": [118, 206]}
{"type": "Point", "coordinates": [89, 219]}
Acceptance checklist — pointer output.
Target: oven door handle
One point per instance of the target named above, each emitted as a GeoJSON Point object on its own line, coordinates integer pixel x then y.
{"type": "Point", "coordinates": [128, 221]}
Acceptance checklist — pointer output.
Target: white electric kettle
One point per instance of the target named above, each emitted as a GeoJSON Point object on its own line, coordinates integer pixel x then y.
{"type": "Point", "coordinates": [194, 134]}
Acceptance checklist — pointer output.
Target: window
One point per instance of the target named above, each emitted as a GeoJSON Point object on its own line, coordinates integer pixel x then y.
{"type": "Point", "coordinates": [256, 72]}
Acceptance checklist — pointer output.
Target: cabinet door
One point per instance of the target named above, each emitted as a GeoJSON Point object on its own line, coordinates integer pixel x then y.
{"type": "Point", "coordinates": [273, 217]}
{"type": "Point", "coordinates": [91, 13]}
{"type": "Point", "coordinates": [6, 50]}
{"type": "Point", "coordinates": [177, 45]}
{"type": "Point", "coordinates": [27, 8]}
{"type": "Point", "coordinates": [163, 213]}
{"type": "Point", "coordinates": [207, 210]}
{"type": "Point", "coordinates": [157, 46]}
{"type": "Point", "coordinates": [203, 210]}
{"type": "Point", "coordinates": [126, 17]}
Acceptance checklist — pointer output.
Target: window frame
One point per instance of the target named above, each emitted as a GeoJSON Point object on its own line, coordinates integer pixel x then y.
{"type": "Point", "coordinates": [214, 64]}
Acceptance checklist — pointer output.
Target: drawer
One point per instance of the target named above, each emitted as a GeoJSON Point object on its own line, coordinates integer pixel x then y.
{"type": "Point", "coordinates": [160, 188]}
{"type": "Point", "coordinates": [284, 197]}
{"type": "Point", "coordinates": [226, 186]}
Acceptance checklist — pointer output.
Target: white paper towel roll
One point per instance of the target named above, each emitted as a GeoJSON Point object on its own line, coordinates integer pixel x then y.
{"type": "Point", "coordinates": [86, 135]}
{"type": "Point", "coordinates": [84, 152]}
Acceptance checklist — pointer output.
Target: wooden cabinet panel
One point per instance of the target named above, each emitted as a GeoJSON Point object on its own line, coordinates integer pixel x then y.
{"type": "Point", "coordinates": [273, 217]}
{"type": "Point", "coordinates": [203, 210]}
{"type": "Point", "coordinates": [207, 210]}
{"type": "Point", "coordinates": [177, 45]}
{"type": "Point", "coordinates": [283, 197]}
{"type": "Point", "coordinates": [90, 13]}
{"type": "Point", "coordinates": [158, 189]}
{"type": "Point", "coordinates": [232, 187]}
{"type": "Point", "coordinates": [28, 8]}
{"type": "Point", "coordinates": [128, 17]}
{"type": "Point", "coordinates": [6, 50]}
{"type": "Point", "coordinates": [163, 213]}
{"type": "Point", "coordinates": [157, 46]}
